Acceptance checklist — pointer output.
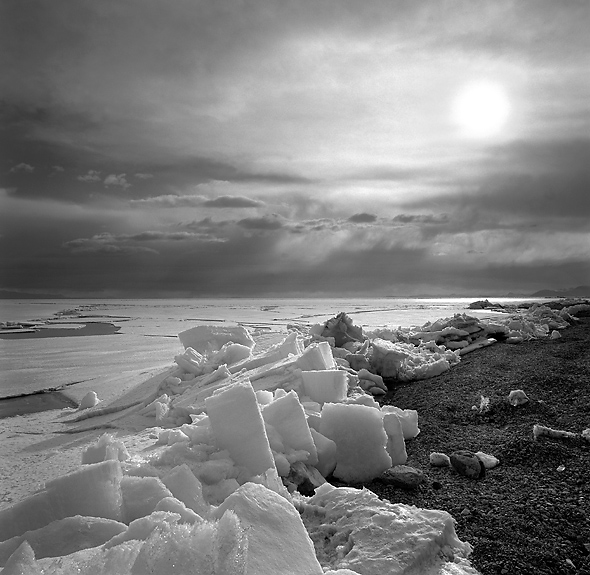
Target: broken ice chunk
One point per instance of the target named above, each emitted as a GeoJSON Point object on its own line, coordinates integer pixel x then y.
{"type": "Point", "coordinates": [141, 495]}
{"type": "Point", "coordinates": [209, 338]}
{"type": "Point", "coordinates": [324, 386]}
{"type": "Point", "coordinates": [287, 417]}
{"type": "Point", "coordinates": [237, 425]}
{"type": "Point", "coordinates": [326, 450]}
{"type": "Point", "coordinates": [408, 419]}
{"type": "Point", "coordinates": [395, 439]}
{"type": "Point", "coordinates": [183, 484]}
{"type": "Point", "coordinates": [107, 447]}
{"type": "Point", "coordinates": [360, 439]}
{"type": "Point", "coordinates": [316, 356]}
{"type": "Point", "coordinates": [64, 536]}
{"type": "Point", "coordinates": [277, 539]}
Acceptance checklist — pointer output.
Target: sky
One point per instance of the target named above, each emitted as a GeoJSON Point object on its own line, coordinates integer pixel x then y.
{"type": "Point", "coordinates": [153, 148]}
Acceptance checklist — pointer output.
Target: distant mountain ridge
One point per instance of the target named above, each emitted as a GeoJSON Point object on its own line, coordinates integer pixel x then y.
{"type": "Point", "coordinates": [580, 291]}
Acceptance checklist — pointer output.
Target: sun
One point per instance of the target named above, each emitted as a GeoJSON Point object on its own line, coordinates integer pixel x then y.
{"type": "Point", "coordinates": [481, 109]}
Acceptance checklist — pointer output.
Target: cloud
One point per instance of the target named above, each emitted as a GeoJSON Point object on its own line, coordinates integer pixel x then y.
{"type": "Point", "coordinates": [105, 243]}
{"type": "Point", "coordinates": [179, 201]}
{"type": "Point", "coordinates": [114, 180]}
{"type": "Point", "coordinates": [141, 176]}
{"type": "Point", "coordinates": [91, 176]}
{"type": "Point", "coordinates": [58, 168]}
{"type": "Point", "coordinates": [521, 183]}
{"type": "Point", "coordinates": [131, 243]}
{"type": "Point", "coordinates": [169, 201]}
{"type": "Point", "coordinates": [22, 167]}
{"type": "Point", "coordinates": [264, 223]}
{"type": "Point", "coordinates": [362, 218]}
{"type": "Point", "coordinates": [421, 219]}
{"type": "Point", "coordinates": [159, 236]}
{"type": "Point", "coordinates": [232, 202]}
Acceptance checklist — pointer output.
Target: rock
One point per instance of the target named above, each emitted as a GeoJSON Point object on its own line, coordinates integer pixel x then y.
{"type": "Point", "coordinates": [517, 397]}
{"type": "Point", "coordinates": [403, 476]}
{"type": "Point", "coordinates": [489, 461]}
{"type": "Point", "coordinates": [555, 334]}
{"type": "Point", "coordinates": [439, 459]}
{"type": "Point", "coordinates": [468, 464]}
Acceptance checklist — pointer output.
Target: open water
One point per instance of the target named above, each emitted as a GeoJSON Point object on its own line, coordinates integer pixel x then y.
{"type": "Point", "coordinates": [147, 339]}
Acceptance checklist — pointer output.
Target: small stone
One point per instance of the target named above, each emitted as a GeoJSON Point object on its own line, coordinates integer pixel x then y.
{"type": "Point", "coordinates": [439, 459]}
{"type": "Point", "coordinates": [517, 397]}
{"type": "Point", "coordinates": [561, 468]}
{"type": "Point", "coordinates": [468, 464]}
{"type": "Point", "coordinates": [436, 485]}
{"type": "Point", "coordinates": [403, 476]}
{"type": "Point", "coordinates": [489, 461]}
{"type": "Point", "coordinates": [466, 512]}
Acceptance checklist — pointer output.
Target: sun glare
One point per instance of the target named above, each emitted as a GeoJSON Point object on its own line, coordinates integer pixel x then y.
{"type": "Point", "coordinates": [481, 109]}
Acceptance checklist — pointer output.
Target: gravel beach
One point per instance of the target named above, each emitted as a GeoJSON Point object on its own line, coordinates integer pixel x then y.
{"type": "Point", "coordinates": [530, 514]}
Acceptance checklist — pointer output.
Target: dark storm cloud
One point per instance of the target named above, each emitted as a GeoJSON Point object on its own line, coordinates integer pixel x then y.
{"type": "Point", "coordinates": [172, 201]}
{"type": "Point", "coordinates": [127, 243]}
{"type": "Point", "coordinates": [395, 174]}
{"type": "Point", "coordinates": [362, 217]}
{"type": "Point", "coordinates": [169, 201]}
{"type": "Point", "coordinates": [539, 30]}
{"type": "Point", "coordinates": [421, 219]}
{"type": "Point", "coordinates": [262, 223]}
{"type": "Point", "coordinates": [232, 202]}
{"type": "Point", "coordinates": [544, 183]}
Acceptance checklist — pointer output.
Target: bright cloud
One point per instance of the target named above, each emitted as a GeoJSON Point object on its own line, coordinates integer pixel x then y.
{"type": "Point", "coordinates": [22, 167]}
{"type": "Point", "coordinates": [91, 176]}
{"type": "Point", "coordinates": [114, 180]}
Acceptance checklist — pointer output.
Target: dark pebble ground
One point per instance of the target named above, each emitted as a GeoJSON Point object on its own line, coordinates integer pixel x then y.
{"type": "Point", "coordinates": [529, 515]}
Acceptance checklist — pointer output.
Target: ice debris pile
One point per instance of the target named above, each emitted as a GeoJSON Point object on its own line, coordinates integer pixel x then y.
{"type": "Point", "coordinates": [463, 333]}
{"type": "Point", "coordinates": [414, 353]}
{"type": "Point", "coordinates": [239, 442]}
